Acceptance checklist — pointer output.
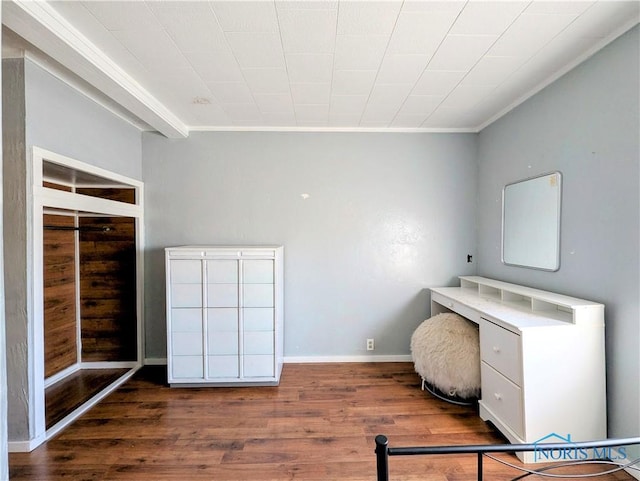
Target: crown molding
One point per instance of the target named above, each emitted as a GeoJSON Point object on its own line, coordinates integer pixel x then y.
{"type": "Point", "coordinates": [386, 130]}
{"type": "Point", "coordinates": [41, 25]}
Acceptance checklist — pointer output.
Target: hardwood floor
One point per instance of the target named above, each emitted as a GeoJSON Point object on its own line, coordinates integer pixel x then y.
{"type": "Point", "coordinates": [70, 393]}
{"type": "Point", "coordinates": [319, 424]}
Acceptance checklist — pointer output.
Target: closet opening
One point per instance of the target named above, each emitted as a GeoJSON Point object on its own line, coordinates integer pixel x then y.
{"type": "Point", "coordinates": [88, 278]}
{"type": "Point", "coordinates": [90, 332]}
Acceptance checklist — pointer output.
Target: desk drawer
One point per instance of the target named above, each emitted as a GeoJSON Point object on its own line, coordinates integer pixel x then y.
{"type": "Point", "coordinates": [501, 350]}
{"type": "Point", "coordinates": [502, 397]}
{"type": "Point", "coordinates": [455, 306]}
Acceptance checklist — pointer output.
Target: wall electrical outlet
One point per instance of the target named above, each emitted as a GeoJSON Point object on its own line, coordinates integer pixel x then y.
{"type": "Point", "coordinates": [370, 345]}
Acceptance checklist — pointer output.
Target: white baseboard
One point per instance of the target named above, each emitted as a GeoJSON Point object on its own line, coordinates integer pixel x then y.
{"type": "Point", "coordinates": [162, 361]}
{"type": "Point", "coordinates": [26, 446]}
{"type": "Point", "coordinates": [321, 359]}
{"type": "Point", "coordinates": [155, 361]}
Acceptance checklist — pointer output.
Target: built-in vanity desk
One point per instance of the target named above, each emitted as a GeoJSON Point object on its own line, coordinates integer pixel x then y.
{"type": "Point", "coordinates": [542, 359]}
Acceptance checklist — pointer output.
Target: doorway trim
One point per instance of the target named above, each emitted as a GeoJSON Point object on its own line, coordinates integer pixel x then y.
{"type": "Point", "coordinates": [40, 198]}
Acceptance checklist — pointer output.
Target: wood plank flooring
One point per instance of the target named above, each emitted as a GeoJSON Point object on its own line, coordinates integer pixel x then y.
{"type": "Point", "coordinates": [319, 424]}
{"type": "Point", "coordinates": [73, 391]}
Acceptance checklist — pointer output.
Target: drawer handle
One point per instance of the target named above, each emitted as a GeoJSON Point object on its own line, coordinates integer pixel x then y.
{"type": "Point", "coordinates": [498, 396]}
{"type": "Point", "coordinates": [496, 349]}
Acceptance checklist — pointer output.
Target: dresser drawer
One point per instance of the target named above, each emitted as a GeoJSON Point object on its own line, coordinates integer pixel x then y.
{"type": "Point", "coordinates": [222, 295]}
{"type": "Point", "coordinates": [455, 306]}
{"type": "Point", "coordinates": [221, 343]}
{"type": "Point", "coordinates": [258, 318]}
{"type": "Point", "coordinates": [222, 319]}
{"type": "Point", "coordinates": [186, 320]}
{"type": "Point", "coordinates": [186, 271]}
{"type": "Point", "coordinates": [501, 350]}
{"type": "Point", "coordinates": [223, 366]}
{"type": "Point", "coordinates": [186, 343]}
{"type": "Point", "coordinates": [222, 271]}
{"type": "Point", "coordinates": [187, 367]}
{"type": "Point", "coordinates": [258, 271]}
{"type": "Point", "coordinates": [258, 342]}
{"type": "Point", "coordinates": [258, 295]}
{"type": "Point", "coordinates": [258, 365]}
{"type": "Point", "coordinates": [502, 397]}
{"type": "Point", "coordinates": [186, 295]}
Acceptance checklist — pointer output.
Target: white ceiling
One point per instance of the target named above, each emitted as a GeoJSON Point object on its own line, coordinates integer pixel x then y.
{"type": "Point", "coordinates": [405, 65]}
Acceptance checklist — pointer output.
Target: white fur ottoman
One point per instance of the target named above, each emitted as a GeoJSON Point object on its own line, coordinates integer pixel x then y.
{"type": "Point", "coordinates": [446, 353]}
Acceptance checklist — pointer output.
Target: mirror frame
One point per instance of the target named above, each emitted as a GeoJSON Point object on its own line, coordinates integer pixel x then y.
{"type": "Point", "coordinates": [545, 202]}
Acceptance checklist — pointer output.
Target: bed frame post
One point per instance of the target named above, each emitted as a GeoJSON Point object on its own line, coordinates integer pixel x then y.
{"type": "Point", "coordinates": [382, 457]}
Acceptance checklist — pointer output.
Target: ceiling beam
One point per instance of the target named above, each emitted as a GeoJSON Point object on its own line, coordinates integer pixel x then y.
{"type": "Point", "coordinates": [44, 27]}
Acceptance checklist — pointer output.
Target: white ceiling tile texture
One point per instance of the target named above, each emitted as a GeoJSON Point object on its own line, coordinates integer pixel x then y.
{"type": "Point", "coordinates": [417, 64]}
{"type": "Point", "coordinates": [308, 31]}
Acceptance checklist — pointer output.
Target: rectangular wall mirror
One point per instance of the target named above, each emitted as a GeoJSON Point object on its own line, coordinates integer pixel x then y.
{"type": "Point", "coordinates": [531, 222]}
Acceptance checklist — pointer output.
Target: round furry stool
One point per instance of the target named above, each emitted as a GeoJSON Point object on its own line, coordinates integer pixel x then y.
{"type": "Point", "coordinates": [446, 353]}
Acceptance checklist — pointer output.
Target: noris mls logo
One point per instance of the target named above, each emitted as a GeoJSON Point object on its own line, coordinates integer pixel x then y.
{"type": "Point", "coordinates": [572, 452]}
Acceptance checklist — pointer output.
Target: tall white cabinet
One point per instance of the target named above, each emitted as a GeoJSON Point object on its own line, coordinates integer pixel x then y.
{"type": "Point", "coordinates": [224, 315]}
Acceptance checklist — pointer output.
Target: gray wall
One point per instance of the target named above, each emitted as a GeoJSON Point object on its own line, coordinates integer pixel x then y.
{"type": "Point", "coordinates": [15, 246]}
{"type": "Point", "coordinates": [4, 461]}
{"type": "Point", "coordinates": [41, 110]}
{"type": "Point", "coordinates": [388, 215]}
{"type": "Point", "coordinates": [586, 126]}
{"type": "Point", "coordinates": [66, 122]}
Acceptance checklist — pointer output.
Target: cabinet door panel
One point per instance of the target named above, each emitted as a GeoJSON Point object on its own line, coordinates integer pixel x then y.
{"type": "Point", "coordinates": [223, 366]}
{"type": "Point", "coordinates": [219, 343]}
{"type": "Point", "coordinates": [186, 343]}
{"type": "Point", "coordinates": [258, 271]}
{"type": "Point", "coordinates": [222, 295]}
{"type": "Point", "coordinates": [186, 295]}
{"type": "Point", "coordinates": [186, 320]}
{"type": "Point", "coordinates": [222, 271]}
{"type": "Point", "coordinates": [258, 342]}
{"type": "Point", "coordinates": [258, 295]}
{"type": "Point", "coordinates": [258, 366]}
{"type": "Point", "coordinates": [187, 367]}
{"type": "Point", "coordinates": [258, 318]}
{"type": "Point", "coordinates": [186, 272]}
{"type": "Point", "coordinates": [222, 319]}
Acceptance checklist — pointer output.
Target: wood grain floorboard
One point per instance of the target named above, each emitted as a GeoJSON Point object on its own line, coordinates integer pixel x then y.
{"type": "Point", "coordinates": [76, 389]}
{"type": "Point", "coordinates": [318, 425]}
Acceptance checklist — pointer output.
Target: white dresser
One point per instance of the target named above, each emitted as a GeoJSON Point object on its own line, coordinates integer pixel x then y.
{"type": "Point", "coordinates": [542, 359]}
{"type": "Point", "coordinates": [224, 315]}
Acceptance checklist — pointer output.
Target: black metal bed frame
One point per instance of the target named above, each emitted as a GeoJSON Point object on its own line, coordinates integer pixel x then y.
{"type": "Point", "coordinates": [383, 451]}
